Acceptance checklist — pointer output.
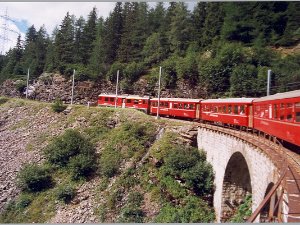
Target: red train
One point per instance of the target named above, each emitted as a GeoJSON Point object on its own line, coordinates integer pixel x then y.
{"type": "Point", "coordinates": [277, 115]}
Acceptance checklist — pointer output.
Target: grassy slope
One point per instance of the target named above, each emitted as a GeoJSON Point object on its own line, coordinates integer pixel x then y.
{"type": "Point", "coordinates": [129, 187]}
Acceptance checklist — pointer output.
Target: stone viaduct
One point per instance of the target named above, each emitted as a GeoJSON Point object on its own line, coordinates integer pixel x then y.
{"type": "Point", "coordinates": [242, 168]}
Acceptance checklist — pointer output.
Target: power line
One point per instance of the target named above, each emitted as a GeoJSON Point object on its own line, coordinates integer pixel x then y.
{"type": "Point", "coordinates": [5, 29]}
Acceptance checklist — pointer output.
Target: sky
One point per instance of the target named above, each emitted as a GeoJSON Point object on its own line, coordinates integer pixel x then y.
{"type": "Point", "coordinates": [50, 14]}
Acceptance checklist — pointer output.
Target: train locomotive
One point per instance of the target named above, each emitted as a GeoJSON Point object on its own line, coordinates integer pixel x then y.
{"type": "Point", "coordinates": [277, 115]}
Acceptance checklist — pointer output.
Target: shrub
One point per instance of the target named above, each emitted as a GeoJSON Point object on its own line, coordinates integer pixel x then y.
{"type": "Point", "coordinates": [58, 106]}
{"type": "Point", "coordinates": [109, 162]}
{"type": "Point", "coordinates": [24, 201]}
{"type": "Point", "coordinates": [65, 193]}
{"type": "Point", "coordinates": [20, 86]}
{"type": "Point", "coordinates": [193, 210]}
{"type": "Point", "coordinates": [131, 214]}
{"type": "Point", "coordinates": [33, 178]}
{"type": "Point", "coordinates": [62, 148]}
{"type": "Point", "coordinates": [200, 178]}
{"type": "Point", "coordinates": [81, 166]}
{"type": "Point", "coordinates": [243, 211]}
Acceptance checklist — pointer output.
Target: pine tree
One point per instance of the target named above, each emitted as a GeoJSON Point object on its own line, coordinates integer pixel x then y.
{"type": "Point", "coordinates": [198, 20]}
{"type": "Point", "coordinates": [65, 40]}
{"type": "Point", "coordinates": [89, 36]}
{"type": "Point", "coordinates": [126, 48]}
{"type": "Point", "coordinates": [213, 23]}
{"type": "Point", "coordinates": [79, 39]}
{"type": "Point", "coordinates": [97, 60]}
{"type": "Point", "coordinates": [180, 29]}
{"type": "Point", "coordinates": [112, 35]}
{"type": "Point", "coordinates": [157, 17]}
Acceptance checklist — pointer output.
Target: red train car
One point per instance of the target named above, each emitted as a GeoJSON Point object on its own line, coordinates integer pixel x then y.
{"type": "Point", "coordinates": [233, 111]}
{"type": "Point", "coordinates": [163, 108]}
{"type": "Point", "coordinates": [177, 107]}
{"type": "Point", "coordinates": [279, 115]}
{"type": "Point", "coordinates": [185, 108]}
{"type": "Point", "coordinates": [137, 102]}
{"type": "Point", "coordinates": [109, 100]}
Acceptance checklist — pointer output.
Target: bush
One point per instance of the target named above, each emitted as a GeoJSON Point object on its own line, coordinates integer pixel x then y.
{"type": "Point", "coordinates": [65, 193]}
{"type": "Point", "coordinates": [193, 210]}
{"type": "Point", "coordinates": [133, 71]}
{"type": "Point", "coordinates": [62, 148]}
{"type": "Point", "coordinates": [33, 178]}
{"type": "Point", "coordinates": [109, 162]}
{"type": "Point", "coordinates": [131, 214]}
{"type": "Point", "coordinates": [58, 106]}
{"type": "Point", "coordinates": [244, 211]}
{"type": "Point", "coordinates": [20, 86]}
{"type": "Point", "coordinates": [81, 166]}
{"type": "Point", "coordinates": [24, 201]}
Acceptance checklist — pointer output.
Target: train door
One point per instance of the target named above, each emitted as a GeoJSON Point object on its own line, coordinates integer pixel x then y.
{"type": "Point", "coordinates": [123, 103]}
{"type": "Point", "coordinates": [250, 116]}
{"type": "Point", "coordinates": [197, 111]}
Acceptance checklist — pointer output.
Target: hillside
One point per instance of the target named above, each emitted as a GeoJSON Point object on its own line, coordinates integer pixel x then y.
{"type": "Point", "coordinates": [141, 170]}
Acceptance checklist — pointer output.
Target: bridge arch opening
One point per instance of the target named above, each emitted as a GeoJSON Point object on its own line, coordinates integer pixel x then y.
{"type": "Point", "coordinates": [236, 186]}
{"type": "Point", "coordinates": [269, 207]}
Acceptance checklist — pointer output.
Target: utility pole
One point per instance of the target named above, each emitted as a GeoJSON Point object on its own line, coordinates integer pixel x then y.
{"type": "Point", "coordinates": [269, 82]}
{"type": "Point", "coordinates": [27, 83]}
{"type": "Point", "coordinates": [116, 99]}
{"type": "Point", "coordinates": [158, 104]}
{"type": "Point", "coordinates": [73, 87]}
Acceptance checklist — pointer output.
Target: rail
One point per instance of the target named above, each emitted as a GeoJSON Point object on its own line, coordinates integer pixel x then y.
{"type": "Point", "coordinates": [273, 149]}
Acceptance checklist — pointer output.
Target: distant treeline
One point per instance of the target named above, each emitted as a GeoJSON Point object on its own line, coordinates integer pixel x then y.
{"type": "Point", "coordinates": [225, 48]}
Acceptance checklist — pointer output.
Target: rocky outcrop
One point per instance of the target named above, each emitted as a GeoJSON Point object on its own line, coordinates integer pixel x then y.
{"type": "Point", "coordinates": [50, 86]}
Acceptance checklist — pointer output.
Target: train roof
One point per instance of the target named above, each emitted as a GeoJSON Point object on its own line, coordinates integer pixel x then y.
{"type": "Point", "coordinates": [137, 97]}
{"type": "Point", "coordinates": [113, 95]}
{"type": "Point", "coordinates": [229, 100]}
{"type": "Point", "coordinates": [177, 99]}
{"type": "Point", "coordinates": [290, 94]}
{"type": "Point", "coordinates": [124, 96]}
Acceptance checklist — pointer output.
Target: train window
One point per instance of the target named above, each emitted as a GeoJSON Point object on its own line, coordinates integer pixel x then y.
{"type": "Point", "coordinates": [220, 109]}
{"type": "Point", "coordinates": [229, 109]}
{"type": "Point", "coordinates": [289, 111]}
{"type": "Point", "coordinates": [128, 100]}
{"type": "Point", "coordinates": [135, 101]}
{"type": "Point", "coordinates": [297, 111]}
{"type": "Point", "coordinates": [224, 109]}
{"type": "Point", "coordinates": [185, 106]}
{"type": "Point", "coordinates": [112, 99]}
{"type": "Point", "coordinates": [175, 106]}
{"type": "Point", "coordinates": [242, 110]}
{"type": "Point", "coordinates": [180, 106]}
{"type": "Point", "coordinates": [106, 99]}
{"type": "Point", "coordinates": [144, 102]}
{"type": "Point", "coordinates": [167, 104]}
{"type": "Point", "coordinates": [275, 111]}
{"type": "Point", "coordinates": [215, 109]}
{"type": "Point", "coordinates": [236, 109]}
{"type": "Point", "coordinates": [281, 112]}
{"type": "Point", "coordinates": [191, 106]}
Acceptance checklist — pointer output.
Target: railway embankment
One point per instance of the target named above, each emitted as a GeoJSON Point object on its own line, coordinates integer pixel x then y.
{"type": "Point", "coordinates": [144, 170]}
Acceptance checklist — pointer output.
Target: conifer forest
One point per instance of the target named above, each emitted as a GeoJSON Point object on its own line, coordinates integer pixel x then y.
{"type": "Point", "coordinates": [225, 48]}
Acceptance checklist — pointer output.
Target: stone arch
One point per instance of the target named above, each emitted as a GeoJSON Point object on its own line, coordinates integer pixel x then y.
{"type": "Point", "coordinates": [265, 211]}
{"type": "Point", "coordinates": [236, 185]}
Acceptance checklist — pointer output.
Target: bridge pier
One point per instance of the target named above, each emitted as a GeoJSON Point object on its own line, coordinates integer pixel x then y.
{"type": "Point", "coordinates": [240, 169]}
